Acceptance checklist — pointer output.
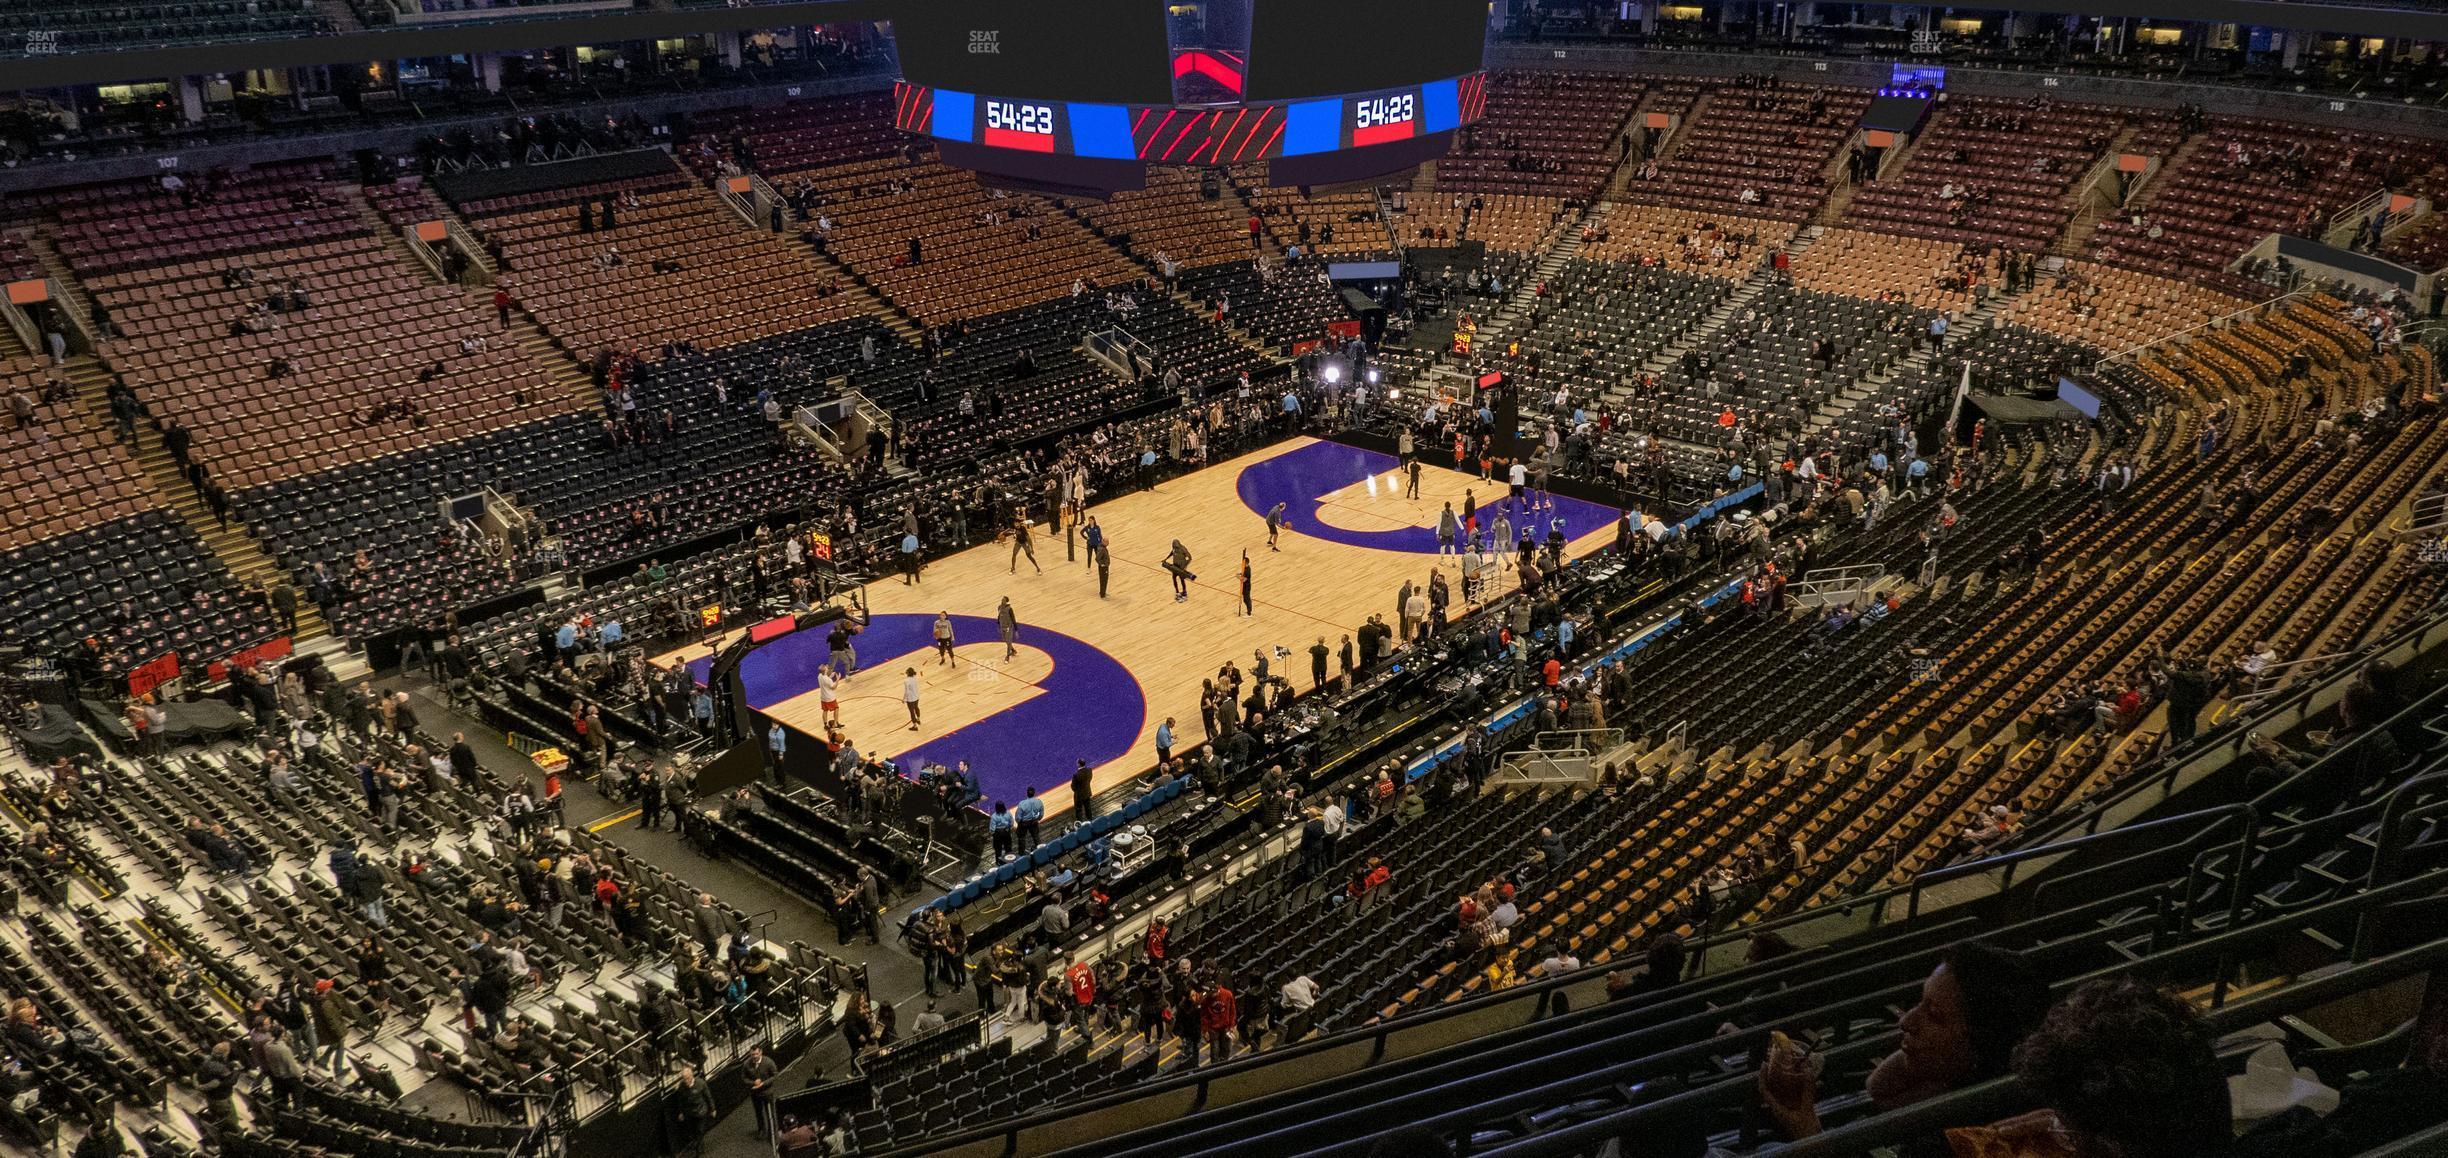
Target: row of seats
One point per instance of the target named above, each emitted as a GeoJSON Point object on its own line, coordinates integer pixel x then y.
{"type": "Point", "coordinates": [1757, 149]}
{"type": "Point", "coordinates": [1929, 273]}
{"type": "Point", "coordinates": [1345, 224]}
{"type": "Point", "coordinates": [976, 251]}
{"type": "Point", "coordinates": [1506, 222]}
{"type": "Point", "coordinates": [166, 987]}
{"type": "Point", "coordinates": [1172, 220]}
{"type": "Point", "coordinates": [675, 267]}
{"type": "Point", "coordinates": [1544, 134]}
{"type": "Point", "coordinates": [1695, 240]}
{"type": "Point", "coordinates": [1987, 171]}
{"type": "Point", "coordinates": [2114, 310]}
{"type": "Point", "coordinates": [135, 586]}
{"type": "Point", "coordinates": [62, 474]}
{"type": "Point", "coordinates": [1674, 1058]}
{"type": "Point", "coordinates": [1866, 817]}
{"type": "Point", "coordinates": [2243, 178]}
{"type": "Point", "coordinates": [41, 28]}
{"type": "Point", "coordinates": [128, 226]}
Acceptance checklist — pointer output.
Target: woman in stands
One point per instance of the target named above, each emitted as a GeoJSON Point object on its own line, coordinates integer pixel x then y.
{"type": "Point", "coordinates": [2125, 1071]}
{"type": "Point", "coordinates": [1975, 1007]}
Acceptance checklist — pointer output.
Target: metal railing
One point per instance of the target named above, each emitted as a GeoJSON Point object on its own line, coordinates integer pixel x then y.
{"type": "Point", "coordinates": [719, 1047]}
{"type": "Point", "coordinates": [867, 410]}
{"type": "Point", "coordinates": [1385, 217]}
{"type": "Point", "coordinates": [1825, 585]}
{"type": "Point", "coordinates": [749, 206]}
{"type": "Point", "coordinates": [2220, 322]}
{"type": "Point", "coordinates": [2347, 223]}
{"type": "Point", "coordinates": [21, 324]}
{"type": "Point", "coordinates": [1120, 350]}
{"type": "Point", "coordinates": [1460, 1022]}
{"type": "Point", "coordinates": [1533, 771]}
{"type": "Point", "coordinates": [478, 260]}
{"type": "Point", "coordinates": [2426, 515]}
{"type": "Point", "coordinates": [2095, 197]}
{"type": "Point", "coordinates": [2272, 682]}
{"type": "Point", "coordinates": [1584, 739]}
{"type": "Point", "coordinates": [2150, 788]}
{"type": "Point", "coordinates": [1987, 1101]}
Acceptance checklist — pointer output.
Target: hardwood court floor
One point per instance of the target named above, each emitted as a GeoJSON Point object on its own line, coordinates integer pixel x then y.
{"type": "Point", "coordinates": [1361, 541]}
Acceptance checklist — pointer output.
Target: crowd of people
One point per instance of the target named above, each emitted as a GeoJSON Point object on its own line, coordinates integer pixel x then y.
{"type": "Point", "coordinates": [1981, 1014]}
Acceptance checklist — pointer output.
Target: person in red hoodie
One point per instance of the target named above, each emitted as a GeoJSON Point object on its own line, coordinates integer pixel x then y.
{"type": "Point", "coordinates": [1081, 978]}
{"type": "Point", "coordinates": [1219, 1016]}
{"type": "Point", "coordinates": [1371, 875]}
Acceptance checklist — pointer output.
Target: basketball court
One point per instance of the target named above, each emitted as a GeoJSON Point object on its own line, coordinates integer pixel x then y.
{"type": "Point", "coordinates": [1092, 677]}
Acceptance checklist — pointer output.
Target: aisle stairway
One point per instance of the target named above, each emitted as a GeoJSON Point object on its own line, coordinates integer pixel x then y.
{"type": "Point", "coordinates": [1683, 129]}
{"type": "Point", "coordinates": [1840, 191]}
{"type": "Point", "coordinates": [874, 302]}
{"type": "Point", "coordinates": [1193, 306]}
{"type": "Point", "coordinates": [1960, 330]}
{"type": "Point", "coordinates": [1268, 246]}
{"type": "Point", "coordinates": [2093, 198]}
{"type": "Point", "coordinates": [237, 550]}
{"type": "Point", "coordinates": [89, 377]}
{"type": "Point", "coordinates": [393, 239]}
{"type": "Point", "coordinates": [2168, 169]}
{"type": "Point", "coordinates": [1512, 318]}
{"type": "Point", "coordinates": [565, 366]}
{"type": "Point", "coordinates": [1716, 319]}
{"type": "Point", "coordinates": [1619, 178]}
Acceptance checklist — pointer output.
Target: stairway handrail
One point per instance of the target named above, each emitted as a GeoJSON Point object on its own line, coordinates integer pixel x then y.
{"type": "Point", "coordinates": [2214, 323]}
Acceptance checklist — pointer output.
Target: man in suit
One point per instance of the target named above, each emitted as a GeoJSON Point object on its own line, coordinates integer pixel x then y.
{"type": "Point", "coordinates": [713, 925]}
{"type": "Point", "coordinates": [1083, 792]}
{"type": "Point", "coordinates": [693, 1113]}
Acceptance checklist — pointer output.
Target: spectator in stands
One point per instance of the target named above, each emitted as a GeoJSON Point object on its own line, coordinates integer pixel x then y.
{"type": "Point", "coordinates": [1219, 1017]}
{"type": "Point", "coordinates": [2273, 763]}
{"type": "Point", "coordinates": [2189, 689]}
{"type": "Point", "coordinates": [1975, 1007]}
{"type": "Point", "coordinates": [2125, 1071]}
{"type": "Point", "coordinates": [692, 1103]}
{"type": "Point", "coordinates": [281, 1068]}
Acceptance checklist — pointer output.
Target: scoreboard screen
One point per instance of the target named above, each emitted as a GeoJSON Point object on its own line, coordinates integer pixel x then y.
{"type": "Point", "coordinates": [1321, 47]}
{"type": "Point", "coordinates": [1029, 126]}
{"type": "Point", "coordinates": [1384, 117]}
{"type": "Point", "coordinates": [1376, 120]}
{"type": "Point", "coordinates": [1190, 136]}
{"type": "Point", "coordinates": [1039, 47]}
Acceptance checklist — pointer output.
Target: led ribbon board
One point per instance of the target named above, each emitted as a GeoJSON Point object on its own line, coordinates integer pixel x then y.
{"type": "Point", "coordinates": [1191, 136]}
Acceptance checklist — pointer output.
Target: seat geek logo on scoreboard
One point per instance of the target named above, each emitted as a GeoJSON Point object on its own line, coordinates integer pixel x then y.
{"type": "Point", "coordinates": [1379, 119]}
{"type": "Point", "coordinates": [985, 42]}
{"type": "Point", "coordinates": [1024, 125]}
